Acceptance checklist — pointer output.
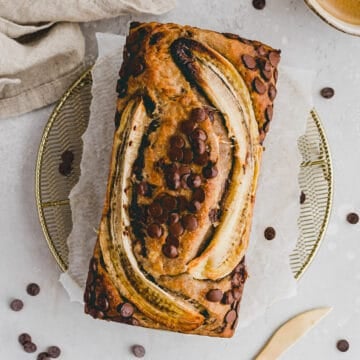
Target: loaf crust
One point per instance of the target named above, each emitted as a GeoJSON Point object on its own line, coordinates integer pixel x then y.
{"type": "Point", "coordinates": [193, 110]}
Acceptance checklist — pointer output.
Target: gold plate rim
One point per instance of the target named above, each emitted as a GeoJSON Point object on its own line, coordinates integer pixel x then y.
{"type": "Point", "coordinates": [40, 205]}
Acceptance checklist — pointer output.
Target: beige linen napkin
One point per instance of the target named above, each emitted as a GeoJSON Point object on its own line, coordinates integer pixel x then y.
{"type": "Point", "coordinates": [42, 47]}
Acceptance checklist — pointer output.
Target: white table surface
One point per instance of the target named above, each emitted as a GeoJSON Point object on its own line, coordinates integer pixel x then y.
{"type": "Point", "coordinates": [333, 278]}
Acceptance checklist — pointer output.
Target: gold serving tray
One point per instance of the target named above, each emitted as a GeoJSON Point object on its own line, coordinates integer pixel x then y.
{"type": "Point", "coordinates": [63, 132]}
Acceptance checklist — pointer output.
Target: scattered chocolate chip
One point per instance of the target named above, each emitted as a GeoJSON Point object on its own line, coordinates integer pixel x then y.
{"type": "Point", "coordinates": [249, 61]}
{"type": "Point", "coordinates": [102, 302]}
{"type": "Point", "coordinates": [274, 57]}
{"type": "Point", "coordinates": [170, 251]}
{"type": "Point", "coordinates": [172, 240]}
{"type": "Point", "coordinates": [176, 229]}
{"type": "Point", "coordinates": [24, 338]}
{"type": "Point", "coordinates": [175, 154]}
{"type": "Point", "coordinates": [155, 210]}
{"type": "Point", "coordinates": [126, 310]}
{"type": "Point", "coordinates": [156, 37]}
{"type": "Point", "coordinates": [43, 356]}
{"type": "Point", "coordinates": [199, 147]}
{"type": "Point", "coordinates": [210, 171]}
{"type": "Point", "coordinates": [327, 92]}
{"type": "Point", "coordinates": [187, 156]}
{"type": "Point", "coordinates": [269, 112]}
{"type": "Point", "coordinates": [33, 289]}
{"type": "Point", "coordinates": [184, 169]}
{"type": "Point", "coordinates": [237, 292]}
{"type": "Point", "coordinates": [169, 202]}
{"type": "Point", "coordinates": [214, 215]}
{"type": "Point", "coordinates": [264, 64]}
{"type": "Point", "coordinates": [154, 230]}
{"type": "Point", "coordinates": [16, 305]}
{"type": "Point", "coordinates": [173, 218]}
{"type": "Point", "coordinates": [54, 351]}
{"type": "Point", "coordinates": [236, 280]}
{"type": "Point", "coordinates": [276, 75]}
{"type": "Point", "coordinates": [138, 351]}
{"type": "Point", "coordinates": [189, 222]}
{"type": "Point", "coordinates": [352, 218]}
{"type": "Point", "coordinates": [194, 206]}
{"type": "Point", "coordinates": [259, 4]}
{"type": "Point", "coordinates": [210, 111]}
{"type": "Point", "coordinates": [137, 67]}
{"type": "Point", "coordinates": [272, 92]}
{"type": "Point", "coordinates": [177, 141]}
{"type": "Point", "coordinates": [162, 219]}
{"type": "Point", "coordinates": [214, 295]}
{"type": "Point", "coordinates": [266, 75]}
{"type": "Point", "coordinates": [231, 36]}
{"type": "Point", "coordinates": [198, 134]}
{"type": "Point", "coordinates": [188, 126]}
{"type": "Point", "coordinates": [228, 298]}
{"type": "Point", "coordinates": [230, 316]}
{"type": "Point", "coordinates": [269, 233]}
{"type": "Point", "coordinates": [142, 188]}
{"type": "Point", "coordinates": [259, 86]}
{"type": "Point", "coordinates": [302, 197]}
{"type": "Point", "coordinates": [202, 159]}
{"type": "Point", "coordinates": [194, 181]}
{"type": "Point", "coordinates": [184, 181]}
{"type": "Point", "coordinates": [182, 203]}
{"type": "Point", "coordinates": [198, 115]}
{"type": "Point", "coordinates": [30, 347]}
{"type": "Point", "coordinates": [199, 195]}
{"type": "Point", "coordinates": [343, 345]}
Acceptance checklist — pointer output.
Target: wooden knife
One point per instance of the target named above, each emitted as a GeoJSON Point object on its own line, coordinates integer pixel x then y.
{"type": "Point", "coordinates": [290, 332]}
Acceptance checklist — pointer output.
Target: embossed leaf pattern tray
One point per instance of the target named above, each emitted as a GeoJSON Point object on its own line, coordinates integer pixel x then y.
{"type": "Point", "coordinates": [69, 121]}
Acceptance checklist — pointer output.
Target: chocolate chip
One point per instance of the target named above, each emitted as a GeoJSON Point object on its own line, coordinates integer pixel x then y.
{"type": "Point", "coordinates": [194, 181]}
{"type": "Point", "coordinates": [156, 37]}
{"type": "Point", "coordinates": [184, 169]}
{"type": "Point", "coordinates": [142, 188]}
{"type": "Point", "coordinates": [194, 206]}
{"type": "Point", "coordinates": [269, 112]}
{"type": "Point", "coordinates": [343, 345]}
{"type": "Point", "coordinates": [170, 251]}
{"type": "Point", "coordinates": [261, 50]}
{"type": "Point", "coordinates": [199, 146]}
{"type": "Point", "coordinates": [188, 126]}
{"type": "Point", "coordinates": [228, 298]}
{"type": "Point", "coordinates": [249, 61]}
{"type": "Point", "coordinates": [210, 171]}
{"type": "Point", "coordinates": [198, 134]}
{"type": "Point", "coordinates": [30, 347]}
{"type": "Point", "coordinates": [177, 141]}
{"type": "Point", "coordinates": [259, 4]}
{"type": "Point", "coordinates": [138, 351]}
{"type": "Point", "coordinates": [259, 86]}
{"type": "Point", "coordinates": [198, 115]}
{"type": "Point", "coordinates": [174, 218]}
{"type": "Point", "coordinates": [102, 302]}
{"type": "Point", "coordinates": [274, 57]}
{"type": "Point", "coordinates": [176, 229]}
{"type": "Point", "coordinates": [327, 92]}
{"type": "Point", "coordinates": [236, 280]}
{"type": "Point", "coordinates": [43, 356]}
{"type": "Point", "coordinates": [54, 351]}
{"type": "Point", "coordinates": [264, 64]}
{"type": "Point", "coordinates": [155, 210]}
{"type": "Point", "coordinates": [214, 215]}
{"type": "Point", "coordinates": [266, 75]}
{"type": "Point", "coordinates": [214, 295]}
{"type": "Point", "coordinates": [237, 292]}
{"type": "Point", "coordinates": [137, 67]}
{"type": "Point", "coordinates": [93, 265]}
{"type": "Point", "coordinates": [172, 240]}
{"type": "Point", "coordinates": [184, 181]}
{"type": "Point", "coordinates": [24, 338]}
{"type": "Point", "coordinates": [175, 154]}
{"type": "Point", "coordinates": [182, 203]}
{"type": "Point", "coordinates": [302, 197]}
{"type": "Point", "coordinates": [187, 156]}
{"type": "Point", "coordinates": [16, 305]}
{"type": "Point", "coordinates": [269, 233]}
{"type": "Point", "coordinates": [154, 230]}
{"type": "Point", "coordinates": [276, 74]}
{"type": "Point", "coordinates": [33, 289]}
{"type": "Point", "coordinates": [231, 36]}
{"type": "Point", "coordinates": [272, 92]}
{"type": "Point", "coordinates": [230, 316]}
{"type": "Point", "coordinates": [162, 219]}
{"type": "Point", "coordinates": [189, 222]}
{"type": "Point", "coordinates": [199, 195]}
{"type": "Point", "coordinates": [126, 310]}
{"type": "Point", "coordinates": [352, 218]}
{"type": "Point", "coordinates": [202, 159]}
{"type": "Point", "coordinates": [169, 202]}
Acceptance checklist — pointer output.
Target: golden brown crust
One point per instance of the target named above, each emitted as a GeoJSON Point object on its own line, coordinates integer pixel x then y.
{"type": "Point", "coordinates": [163, 67]}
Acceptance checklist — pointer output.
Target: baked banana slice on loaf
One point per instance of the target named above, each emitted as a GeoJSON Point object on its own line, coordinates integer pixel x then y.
{"type": "Point", "coordinates": [193, 110]}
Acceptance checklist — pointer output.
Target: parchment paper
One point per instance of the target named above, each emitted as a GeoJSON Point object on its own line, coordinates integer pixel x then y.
{"type": "Point", "coordinates": [277, 201]}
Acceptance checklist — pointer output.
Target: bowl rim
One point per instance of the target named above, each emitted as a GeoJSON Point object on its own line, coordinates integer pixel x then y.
{"type": "Point", "coordinates": [332, 20]}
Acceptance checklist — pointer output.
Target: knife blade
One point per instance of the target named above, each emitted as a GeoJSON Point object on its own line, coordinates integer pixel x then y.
{"type": "Point", "coordinates": [290, 332]}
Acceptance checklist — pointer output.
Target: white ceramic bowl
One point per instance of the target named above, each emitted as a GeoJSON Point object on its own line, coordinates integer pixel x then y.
{"type": "Point", "coordinates": [332, 20]}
